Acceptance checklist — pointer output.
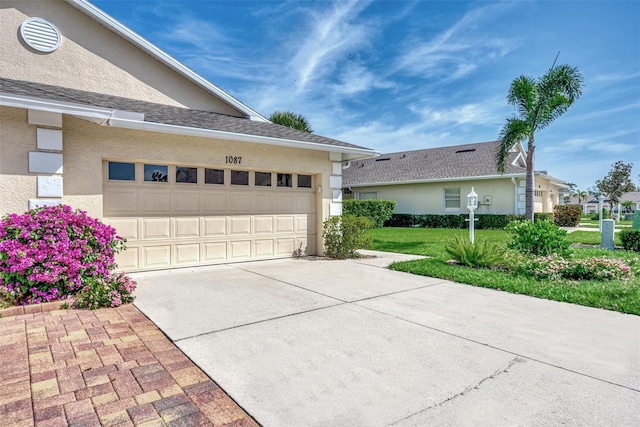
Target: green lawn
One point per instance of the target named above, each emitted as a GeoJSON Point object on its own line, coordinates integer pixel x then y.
{"type": "Point", "coordinates": [591, 238]}
{"type": "Point", "coordinates": [587, 222]}
{"type": "Point", "coordinates": [615, 295]}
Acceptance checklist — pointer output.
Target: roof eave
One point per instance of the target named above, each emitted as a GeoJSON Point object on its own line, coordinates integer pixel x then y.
{"type": "Point", "coordinates": [89, 112]}
{"type": "Point", "coordinates": [115, 26]}
{"type": "Point", "coordinates": [349, 153]}
{"type": "Point", "coordinates": [132, 120]}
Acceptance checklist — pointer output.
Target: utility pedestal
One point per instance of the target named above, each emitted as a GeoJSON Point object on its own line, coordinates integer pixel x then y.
{"type": "Point", "coordinates": [608, 227]}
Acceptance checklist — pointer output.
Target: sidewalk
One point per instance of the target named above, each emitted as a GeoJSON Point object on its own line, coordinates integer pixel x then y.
{"type": "Point", "coordinates": [103, 367]}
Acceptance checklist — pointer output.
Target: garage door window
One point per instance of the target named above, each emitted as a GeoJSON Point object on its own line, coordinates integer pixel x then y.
{"type": "Point", "coordinates": [263, 179]}
{"type": "Point", "coordinates": [239, 177]}
{"type": "Point", "coordinates": [156, 173]}
{"type": "Point", "coordinates": [214, 176]}
{"type": "Point", "coordinates": [186, 175]}
{"type": "Point", "coordinates": [285, 180]}
{"type": "Point", "coordinates": [304, 181]}
{"type": "Point", "coordinates": [119, 171]}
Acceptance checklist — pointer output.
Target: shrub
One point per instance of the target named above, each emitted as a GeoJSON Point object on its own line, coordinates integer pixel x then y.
{"type": "Point", "coordinates": [495, 221]}
{"type": "Point", "coordinates": [596, 216]}
{"type": "Point", "coordinates": [401, 220]}
{"type": "Point", "coordinates": [566, 215]}
{"type": "Point", "coordinates": [537, 238]}
{"type": "Point", "coordinates": [554, 267]}
{"type": "Point", "coordinates": [377, 211]}
{"type": "Point", "coordinates": [51, 253]}
{"type": "Point", "coordinates": [106, 293]}
{"type": "Point", "coordinates": [343, 235]}
{"type": "Point", "coordinates": [543, 216]}
{"type": "Point", "coordinates": [473, 254]}
{"type": "Point", "coordinates": [630, 240]}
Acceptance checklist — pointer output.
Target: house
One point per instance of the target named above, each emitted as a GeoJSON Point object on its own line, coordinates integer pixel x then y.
{"type": "Point", "coordinates": [591, 205]}
{"type": "Point", "coordinates": [437, 180]}
{"type": "Point", "coordinates": [94, 116]}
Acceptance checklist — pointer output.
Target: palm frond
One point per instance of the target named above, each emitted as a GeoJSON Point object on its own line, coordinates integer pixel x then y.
{"type": "Point", "coordinates": [558, 89]}
{"type": "Point", "coordinates": [522, 95]}
{"type": "Point", "coordinates": [513, 132]}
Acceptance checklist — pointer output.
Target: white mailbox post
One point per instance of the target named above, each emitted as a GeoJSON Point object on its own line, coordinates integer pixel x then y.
{"type": "Point", "coordinates": [472, 205]}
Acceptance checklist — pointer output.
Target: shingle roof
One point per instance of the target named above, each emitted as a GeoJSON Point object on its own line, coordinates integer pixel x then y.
{"type": "Point", "coordinates": [458, 161]}
{"type": "Point", "coordinates": [166, 114]}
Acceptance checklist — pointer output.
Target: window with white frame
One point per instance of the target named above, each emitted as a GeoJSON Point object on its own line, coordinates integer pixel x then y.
{"type": "Point", "coordinates": [372, 195]}
{"type": "Point", "coordinates": [452, 199]}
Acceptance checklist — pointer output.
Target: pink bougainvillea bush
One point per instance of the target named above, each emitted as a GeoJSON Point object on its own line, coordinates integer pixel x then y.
{"type": "Point", "coordinates": [52, 253]}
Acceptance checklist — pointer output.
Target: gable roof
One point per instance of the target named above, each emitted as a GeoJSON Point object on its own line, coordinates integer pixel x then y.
{"type": "Point", "coordinates": [134, 114]}
{"type": "Point", "coordinates": [138, 41]}
{"type": "Point", "coordinates": [469, 161]}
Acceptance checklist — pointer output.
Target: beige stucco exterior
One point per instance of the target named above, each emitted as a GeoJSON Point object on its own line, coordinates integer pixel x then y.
{"type": "Point", "coordinates": [87, 145]}
{"type": "Point", "coordinates": [92, 58]}
{"type": "Point", "coordinates": [496, 195]}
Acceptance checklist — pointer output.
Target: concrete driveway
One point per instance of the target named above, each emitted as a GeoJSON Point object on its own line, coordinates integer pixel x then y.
{"type": "Point", "coordinates": [301, 342]}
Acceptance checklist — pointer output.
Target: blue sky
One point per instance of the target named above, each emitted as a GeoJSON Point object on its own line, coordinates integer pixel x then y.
{"type": "Point", "coordinates": [403, 75]}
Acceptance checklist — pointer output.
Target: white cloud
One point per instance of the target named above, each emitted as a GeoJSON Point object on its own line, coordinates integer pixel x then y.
{"type": "Point", "coordinates": [601, 143]}
{"type": "Point", "coordinates": [483, 114]}
{"type": "Point", "coordinates": [457, 51]}
{"type": "Point", "coordinates": [330, 37]}
{"type": "Point", "coordinates": [615, 78]}
{"type": "Point", "coordinates": [356, 78]}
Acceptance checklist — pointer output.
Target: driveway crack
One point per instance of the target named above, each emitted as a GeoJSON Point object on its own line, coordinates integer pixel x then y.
{"type": "Point", "coordinates": [476, 386]}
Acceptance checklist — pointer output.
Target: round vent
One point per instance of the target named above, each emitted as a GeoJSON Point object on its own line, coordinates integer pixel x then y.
{"type": "Point", "coordinates": [41, 35]}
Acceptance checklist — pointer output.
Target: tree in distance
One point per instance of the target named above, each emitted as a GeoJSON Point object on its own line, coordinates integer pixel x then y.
{"type": "Point", "coordinates": [291, 120]}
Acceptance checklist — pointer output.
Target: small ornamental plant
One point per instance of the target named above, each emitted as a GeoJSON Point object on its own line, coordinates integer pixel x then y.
{"type": "Point", "coordinates": [345, 234]}
{"type": "Point", "coordinates": [53, 253]}
{"type": "Point", "coordinates": [554, 267]}
{"type": "Point", "coordinates": [540, 238]}
{"type": "Point", "coordinates": [475, 255]}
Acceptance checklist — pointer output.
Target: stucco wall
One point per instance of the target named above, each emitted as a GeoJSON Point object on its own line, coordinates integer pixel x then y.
{"type": "Point", "coordinates": [17, 138]}
{"type": "Point", "coordinates": [429, 197]}
{"type": "Point", "coordinates": [92, 58]}
{"type": "Point", "coordinates": [86, 145]}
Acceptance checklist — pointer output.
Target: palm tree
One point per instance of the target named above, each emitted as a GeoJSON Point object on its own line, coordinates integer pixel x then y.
{"type": "Point", "coordinates": [291, 120]}
{"type": "Point", "coordinates": [538, 103]}
{"type": "Point", "coordinates": [582, 196]}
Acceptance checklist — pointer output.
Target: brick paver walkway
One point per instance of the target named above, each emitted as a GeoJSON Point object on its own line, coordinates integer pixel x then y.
{"type": "Point", "coordinates": [110, 367]}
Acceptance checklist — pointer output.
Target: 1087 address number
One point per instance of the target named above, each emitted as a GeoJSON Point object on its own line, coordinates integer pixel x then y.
{"type": "Point", "coordinates": [233, 160]}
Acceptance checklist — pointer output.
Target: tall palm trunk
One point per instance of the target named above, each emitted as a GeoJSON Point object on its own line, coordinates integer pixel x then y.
{"type": "Point", "coordinates": [529, 190]}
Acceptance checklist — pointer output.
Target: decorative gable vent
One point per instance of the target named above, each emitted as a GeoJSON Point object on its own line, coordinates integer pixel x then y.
{"type": "Point", "coordinates": [41, 35]}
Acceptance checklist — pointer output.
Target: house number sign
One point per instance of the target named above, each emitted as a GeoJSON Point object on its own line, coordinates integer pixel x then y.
{"type": "Point", "coordinates": [233, 160]}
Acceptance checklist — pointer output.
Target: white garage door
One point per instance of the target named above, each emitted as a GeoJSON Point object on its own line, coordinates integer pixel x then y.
{"type": "Point", "coordinates": [173, 215]}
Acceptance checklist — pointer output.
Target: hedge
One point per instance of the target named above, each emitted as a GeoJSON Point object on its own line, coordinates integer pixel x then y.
{"type": "Point", "coordinates": [630, 240]}
{"type": "Point", "coordinates": [484, 221]}
{"type": "Point", "coordinates": [377, 211]}
{"type": "Point", "coordinates": [566, 215]}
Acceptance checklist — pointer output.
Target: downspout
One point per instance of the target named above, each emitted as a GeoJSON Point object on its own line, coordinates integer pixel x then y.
{"type": "Point", "coordinates": [515, 195]}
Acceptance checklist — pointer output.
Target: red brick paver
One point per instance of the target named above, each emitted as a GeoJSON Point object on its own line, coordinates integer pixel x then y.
{"type": "Point", "coordinates": [105, 367]}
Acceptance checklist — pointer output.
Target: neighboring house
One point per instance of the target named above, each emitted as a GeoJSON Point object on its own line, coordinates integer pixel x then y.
{"type": "Point", "coordinates": [591, 205]}
{"type": "Point", "coordinates": [437, 180]}
{"type": "Point", "coordinates": [94, 116]}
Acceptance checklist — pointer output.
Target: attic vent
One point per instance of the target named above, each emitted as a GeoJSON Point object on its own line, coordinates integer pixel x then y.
{"type": "Point", "coordinates": [468, 150]}
{"type": "Point", "coordinates": [41, 35]}
{"type": "Point", "coordinates": [382, 159]}
{"type": "Point", "coordinates": [402, 156]}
